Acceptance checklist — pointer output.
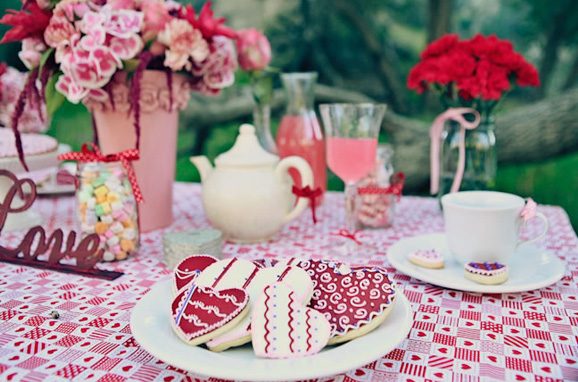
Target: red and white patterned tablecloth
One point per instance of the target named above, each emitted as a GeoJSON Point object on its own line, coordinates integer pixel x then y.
{"type": "Point", "coordinates": [529, 336]}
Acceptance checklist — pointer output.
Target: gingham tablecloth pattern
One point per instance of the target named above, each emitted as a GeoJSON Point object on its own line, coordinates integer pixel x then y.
{"type": "Point", "coordinates": [461, 336]}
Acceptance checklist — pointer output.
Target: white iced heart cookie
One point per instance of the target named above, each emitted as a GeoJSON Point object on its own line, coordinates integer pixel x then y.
{"type": "Point", "coordinates": [486, 273]}
{"type": "Point", "coordinates": [296, 277]}
{"type": "Point", "coordinates": [282, 327]}
{"type": "Point", "coordinates": [427, 258]}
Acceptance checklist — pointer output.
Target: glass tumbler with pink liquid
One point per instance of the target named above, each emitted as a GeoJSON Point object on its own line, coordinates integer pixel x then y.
{"type": "Point", "coordinates": [299, 132]}
{"type": "Point", "coordinates": [351, 132]}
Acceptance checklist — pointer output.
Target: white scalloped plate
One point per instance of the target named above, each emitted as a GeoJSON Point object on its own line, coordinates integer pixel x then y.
{"type": "Point", "coordinates": [530, 267]}
{"type": "Point", "coordinates": [150, 325]}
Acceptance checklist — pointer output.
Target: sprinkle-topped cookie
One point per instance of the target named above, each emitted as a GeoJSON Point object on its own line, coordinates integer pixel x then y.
{"type": "Point", "coordinates": [486, 273]}
{"type": "Point", "coordinates": [428, 258]}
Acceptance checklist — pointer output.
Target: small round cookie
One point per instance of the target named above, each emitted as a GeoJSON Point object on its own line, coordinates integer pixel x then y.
{"type": "Point", "coordinates": [486, 273]}
{"type": "Point", "coordinates": [427, 258]}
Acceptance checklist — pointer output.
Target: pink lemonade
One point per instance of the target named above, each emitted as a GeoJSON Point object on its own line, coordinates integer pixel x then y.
{"type": "Point", "coordinates": [300, 134]}
{"type": "Point", "coordinates": [351, 158]}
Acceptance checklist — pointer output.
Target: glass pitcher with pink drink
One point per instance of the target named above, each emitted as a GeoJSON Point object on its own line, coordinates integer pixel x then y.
{"type": "Point", "coordinates": [299, 132]}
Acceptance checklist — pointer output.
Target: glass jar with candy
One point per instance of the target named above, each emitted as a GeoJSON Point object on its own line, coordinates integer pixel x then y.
{"type": "Point", "coordinates": [378, 193]}
{"type": "Point", "coordinates": [107, 206]}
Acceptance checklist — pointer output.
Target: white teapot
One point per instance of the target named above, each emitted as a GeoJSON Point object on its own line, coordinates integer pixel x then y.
{"type": "Point", "coordinates": [248, 194]}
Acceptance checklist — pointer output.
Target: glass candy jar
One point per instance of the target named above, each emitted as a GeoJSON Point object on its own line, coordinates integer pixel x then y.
{"type": "Point", "coordinates": [107, 206]}
{"type": "Point", "coordinates": [378, 193]}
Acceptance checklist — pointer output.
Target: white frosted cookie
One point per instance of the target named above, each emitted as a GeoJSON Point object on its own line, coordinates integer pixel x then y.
{"type": "Point", "coordinates": [296, 277]}
{"type": "Point", "coordinates": [427, 258]}
{"type": "Point", "coordinates": [283, 327]}
{"type": "Point", "coordinates": [201, 313]}
{"type": "Point", "coordinates": [486, 273]}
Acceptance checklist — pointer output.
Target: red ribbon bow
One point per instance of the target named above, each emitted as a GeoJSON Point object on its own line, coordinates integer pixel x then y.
{"type": "Point", "coordinates": [395, 188]}
{"type": "Point", "coordinates": [312, 195]}
{"type": "Point", "coordinates": [348, 235]}
{"type": "Point", "coordinates": [91, 153]}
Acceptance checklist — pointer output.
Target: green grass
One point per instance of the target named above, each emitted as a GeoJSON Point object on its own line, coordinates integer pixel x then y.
{"type": "Point", "coordinates": [551, 182]}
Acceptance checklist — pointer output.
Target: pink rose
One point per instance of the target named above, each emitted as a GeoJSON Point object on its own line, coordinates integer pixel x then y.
{"type": "Point", "coordinates": [218, 71]}
{"type": "Point", "coordinates": [31, 53]}
{"type": "Point", "coordinates": [156, 17]}
{"type": "Point", "coordinates": [253, 49]}
{"type": "Point", "coordinates": [183, 42]}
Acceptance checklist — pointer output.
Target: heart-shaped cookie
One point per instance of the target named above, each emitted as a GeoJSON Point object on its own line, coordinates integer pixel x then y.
{"type": "Point", "coordinates": [283, 327]}
{"type": "Point", "coordinates": [228, 273]}
{"type": "Point", "coordinates": [201, 313]}
{"type": "Point", "coordinates": [189, 268]}
{"type": "Point", "coordinates": [355, 300]}
{"type": "Point", "coordinates": [295, 277]}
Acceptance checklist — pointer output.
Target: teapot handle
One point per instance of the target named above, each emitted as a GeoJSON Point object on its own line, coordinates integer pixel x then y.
{"type": "Point", "coordinates": [306, 173]}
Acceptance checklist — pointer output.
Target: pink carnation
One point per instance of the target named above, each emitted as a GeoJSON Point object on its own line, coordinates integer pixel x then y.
{"type": "Point", "coordinates": [183, 43]}
{"type": "Point", "coordinates": [253, 49]}
{"type": "Point", "coordinates": [218, 71]}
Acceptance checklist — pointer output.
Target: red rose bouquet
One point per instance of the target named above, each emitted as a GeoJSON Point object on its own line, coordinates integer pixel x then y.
{"type": "Point", "coordinates": [472, 76]}
{"type": "Point", "coordinates": [476, 73]}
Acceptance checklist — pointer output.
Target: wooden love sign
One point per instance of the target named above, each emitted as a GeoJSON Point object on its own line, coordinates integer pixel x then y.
{"type": "Point", "coordinates": [36, 242]}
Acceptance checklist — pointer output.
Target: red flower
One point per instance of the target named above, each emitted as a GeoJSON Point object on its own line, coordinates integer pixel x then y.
{"type": "Point", "coordinates": [482, 67]}
{"type": "Point", "coordinates": [526, 74]}
{"type": "Point", "coordinates": [440, 46]}
{"type": "Point", "coordinates": [488, 83]}
{"type": "Point", "coordinates": [31, 21]}
{"type": "Point", "coordinates": [206, 23]}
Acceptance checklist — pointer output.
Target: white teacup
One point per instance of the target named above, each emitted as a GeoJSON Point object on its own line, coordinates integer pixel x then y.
{"type": "Point", "coordinates": [484, 225]}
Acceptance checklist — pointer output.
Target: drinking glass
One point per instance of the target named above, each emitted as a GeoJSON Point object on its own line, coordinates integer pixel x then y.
{"type": "Point", "coordinates": [351, 131]}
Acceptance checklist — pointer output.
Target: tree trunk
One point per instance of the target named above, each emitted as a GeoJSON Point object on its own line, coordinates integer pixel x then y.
{"type": "Point", "coordinates": [572, 78]}
{"type": "Point", "coordinates": [534, 132]}
{"type": "Point", "coordinates": [386, 70]}
{"type": "Point", "coordinates": [439, 18]}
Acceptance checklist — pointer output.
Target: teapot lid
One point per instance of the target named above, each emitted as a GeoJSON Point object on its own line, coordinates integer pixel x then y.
{"type": "Point", "coordinates": [246, 151]}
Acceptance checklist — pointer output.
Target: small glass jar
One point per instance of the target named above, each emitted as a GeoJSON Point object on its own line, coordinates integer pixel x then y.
{"type": "Point", "coordinates": [376, 195]}
{"type": "Point", "coordinates": [107, 207]}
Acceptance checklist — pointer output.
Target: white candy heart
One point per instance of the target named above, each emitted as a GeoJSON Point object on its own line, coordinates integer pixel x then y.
{"type": "Point", "coordinates": [282, 327]}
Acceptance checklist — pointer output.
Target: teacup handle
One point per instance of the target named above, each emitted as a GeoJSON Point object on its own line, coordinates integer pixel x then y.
{"type": "Point", "coordinates": [306, 173]}
{"type": "Point", "coordinates": [540, 236]}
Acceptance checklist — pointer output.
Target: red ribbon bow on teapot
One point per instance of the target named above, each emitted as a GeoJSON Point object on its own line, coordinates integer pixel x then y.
{"type": "Point", "coordinates": [91, 153]}
{"type": "Point", "coordinates": [311, 194]}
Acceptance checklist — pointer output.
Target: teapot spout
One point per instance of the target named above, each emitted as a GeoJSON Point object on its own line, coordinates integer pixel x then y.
{"type": "Point", "coordinates": [203, 165]}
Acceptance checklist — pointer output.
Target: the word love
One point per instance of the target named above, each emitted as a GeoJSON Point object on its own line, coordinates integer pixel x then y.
{"type": "Point", "coordinates": [36, 242]}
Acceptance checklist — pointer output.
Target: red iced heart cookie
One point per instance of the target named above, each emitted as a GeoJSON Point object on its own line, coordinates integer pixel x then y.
{"type": "Point", "coordinates": [202, 313]}
{"type": "Point", "coordinates": [283, 327]}
{"type": "Point", "coordinates": [189, 268]}
{"type": "Point", "coordinates": [355, 300]}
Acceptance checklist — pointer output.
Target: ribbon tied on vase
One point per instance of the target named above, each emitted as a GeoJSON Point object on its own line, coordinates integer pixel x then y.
{"type": "Point", "coordinates": [457, 115]}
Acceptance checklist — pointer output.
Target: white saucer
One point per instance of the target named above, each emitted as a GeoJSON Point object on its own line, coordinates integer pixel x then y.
{"type": "Point", "coordinates": [530, 267]}
{"type": "Point", "coordinates": [150, 325]}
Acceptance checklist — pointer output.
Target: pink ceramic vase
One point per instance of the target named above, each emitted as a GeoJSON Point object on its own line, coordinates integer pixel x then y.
{"type": "Point", "coordinates": [159, 125]}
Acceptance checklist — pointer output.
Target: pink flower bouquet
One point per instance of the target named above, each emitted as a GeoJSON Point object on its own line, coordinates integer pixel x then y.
{"type": "Point", "coordinates": [74, 48]}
